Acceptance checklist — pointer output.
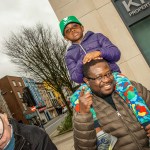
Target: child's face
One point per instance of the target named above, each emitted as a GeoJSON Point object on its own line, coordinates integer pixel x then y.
{"type": "Point", "coordinates": [73, 32]}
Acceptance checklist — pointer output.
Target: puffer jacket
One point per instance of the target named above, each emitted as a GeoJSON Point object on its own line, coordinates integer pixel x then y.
{"type": "Point", "coordinates": [29, 137]}
{"type": "Point", "coordinates": [91, 42]}
{"type": "Point", "coordinates": [121, 123]}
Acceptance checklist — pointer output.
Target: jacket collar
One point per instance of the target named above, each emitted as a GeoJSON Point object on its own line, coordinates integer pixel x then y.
{"type": "Point", "coordinates": [86, 36]}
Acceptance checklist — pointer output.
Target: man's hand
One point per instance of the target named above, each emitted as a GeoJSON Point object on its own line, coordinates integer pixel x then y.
{"type": "Point", "coordinates": [85, 102]}
{"type": "Point", "coordinates": [148, 130]}
{"type": "Point", "coordinates": [92, 55]}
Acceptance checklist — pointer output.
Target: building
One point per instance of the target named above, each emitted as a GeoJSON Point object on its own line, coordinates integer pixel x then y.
{"type": "Point", "coordinates": [51, 111]}
{"type": "Point", "coordinates": [11, 88]}
{"type": "Point", "coordinates": [55, 98]}
{"type": "Point", "coordinates": [125, 22]}
{"type": "Point", "coordinates": [39, 102]}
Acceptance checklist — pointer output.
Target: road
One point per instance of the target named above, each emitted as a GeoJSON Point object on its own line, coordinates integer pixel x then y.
{"type": "Point", "coordinates": [52, 125]}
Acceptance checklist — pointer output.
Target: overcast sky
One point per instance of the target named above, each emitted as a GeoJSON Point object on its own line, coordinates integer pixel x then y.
{"type": "Point", "coordinates": [17, 13]}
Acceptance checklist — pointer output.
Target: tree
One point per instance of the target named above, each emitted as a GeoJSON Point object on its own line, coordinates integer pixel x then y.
{"type": "Point", "coordinates": [40, 52]}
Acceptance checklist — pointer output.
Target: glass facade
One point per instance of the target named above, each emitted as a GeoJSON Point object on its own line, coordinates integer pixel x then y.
{"type": "Point", "coordinates": [141, 34]}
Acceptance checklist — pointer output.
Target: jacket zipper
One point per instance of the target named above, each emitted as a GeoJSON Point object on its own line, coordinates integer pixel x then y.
{"type": "Point", "coordinates": [82, 48]}
{"type": "Point", "coordinates": [22, 143]}
{"type": "Point", "coordinates": [120, 116]}
{"type": "Point", "coordinates": [122, 120]}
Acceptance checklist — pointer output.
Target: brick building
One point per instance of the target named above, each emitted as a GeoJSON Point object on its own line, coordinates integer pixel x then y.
{"type": "Point", "coordinates": [11, 88]}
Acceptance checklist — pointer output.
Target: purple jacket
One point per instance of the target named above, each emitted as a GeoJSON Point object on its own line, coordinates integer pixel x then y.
{"type": "Point", "coordinates": [91, 42]}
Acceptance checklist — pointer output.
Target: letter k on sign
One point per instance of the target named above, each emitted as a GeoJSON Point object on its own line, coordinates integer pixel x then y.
{"type": "Point", "coordinates": [127, 5]}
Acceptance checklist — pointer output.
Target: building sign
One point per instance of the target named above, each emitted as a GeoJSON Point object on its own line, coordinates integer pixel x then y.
{"type": "Point", "coordinates": [42, 109]}
{"type": "Point", "coordinates": [142, 5]}
{"type": "Point", "coordinates": [132, 10]}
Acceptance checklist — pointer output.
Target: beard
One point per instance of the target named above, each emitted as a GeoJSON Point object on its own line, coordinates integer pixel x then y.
{"type": "Point", "coordinates": [99, 94]}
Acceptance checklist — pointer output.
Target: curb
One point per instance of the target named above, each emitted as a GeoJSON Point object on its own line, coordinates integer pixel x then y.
{"type": "Point", "coordinates": [58, 134]}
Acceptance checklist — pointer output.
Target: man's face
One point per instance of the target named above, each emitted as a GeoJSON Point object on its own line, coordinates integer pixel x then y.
{"type": "Point", "coordinates": [102, 81]}
{"type": "Point", "coordinates": [74, 32]}
{"type": "Point", "coordinates": [6, 133]}
{"type": "Point", "coordinates": [1, 127]}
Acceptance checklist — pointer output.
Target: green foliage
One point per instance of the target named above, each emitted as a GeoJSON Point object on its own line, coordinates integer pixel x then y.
{"type": "Point", "coordinates": [66, 124]}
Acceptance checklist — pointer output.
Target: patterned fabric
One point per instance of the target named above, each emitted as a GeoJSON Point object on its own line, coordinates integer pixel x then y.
{"type": "Point", "coordinates": [74, 99]}
{"type": "Point", "coordinates": [129, 94]}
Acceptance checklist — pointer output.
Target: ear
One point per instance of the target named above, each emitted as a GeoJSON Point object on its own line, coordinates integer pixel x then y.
{"type": "Point", "coordinates": [82, 27]}
{"type": "Point", "coordinates": [86, 81]}
{"type": "Point", "coordinates": [65, 38]}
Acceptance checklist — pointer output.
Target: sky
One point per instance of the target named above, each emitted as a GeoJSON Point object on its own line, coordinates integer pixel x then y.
{"type": "Point", "coordinates": [15, 14]}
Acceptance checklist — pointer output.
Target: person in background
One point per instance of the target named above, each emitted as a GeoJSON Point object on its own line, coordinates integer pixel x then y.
{"type": "Point", "coordinates": [18, 136]}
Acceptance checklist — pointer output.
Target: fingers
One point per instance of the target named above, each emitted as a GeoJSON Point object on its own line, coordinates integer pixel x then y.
{"type": "Point", "coordinates": [82, 91]}
{"type": "Point", "coordinates": [86, 59]}
{"type": "Point", "coordinates": [91, 56]}
{"type": "Point", "coordinates": [148, 130]}
{"type": "Point", "coordinates": [98, 58]}
{"type": "Point", "coordinates": [147, 127]}
{"type": "Point", "coordinates": [85, 101]}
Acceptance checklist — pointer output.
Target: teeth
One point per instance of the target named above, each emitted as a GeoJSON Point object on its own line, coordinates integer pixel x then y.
{"type": "Point", "coordinates": [107, 86]}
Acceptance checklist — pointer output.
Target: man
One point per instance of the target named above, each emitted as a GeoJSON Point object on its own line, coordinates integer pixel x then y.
{"type": "Point", "coordinates": [113, 113]}
{"type": "Point", "coordinates": [16, 136]}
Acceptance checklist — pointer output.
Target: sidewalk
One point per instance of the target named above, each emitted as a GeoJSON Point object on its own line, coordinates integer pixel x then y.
{"type": "Point", "coordinates": [64, 141]}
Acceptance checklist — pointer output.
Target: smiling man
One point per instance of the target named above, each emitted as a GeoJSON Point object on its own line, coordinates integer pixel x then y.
{"type": "Point", "coordinates": [16, 136]}
{"type": "Point", "coordinates": [114, 115]}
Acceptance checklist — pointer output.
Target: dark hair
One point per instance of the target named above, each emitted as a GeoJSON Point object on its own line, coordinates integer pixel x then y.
{"type": "Point", "coordinates": [87, 66]}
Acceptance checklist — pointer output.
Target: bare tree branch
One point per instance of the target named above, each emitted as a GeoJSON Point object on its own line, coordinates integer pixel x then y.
{"type": "Point", "coordinates": [40, 52]}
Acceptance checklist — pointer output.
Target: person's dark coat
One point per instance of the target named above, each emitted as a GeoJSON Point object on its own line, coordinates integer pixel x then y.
{"type": "Point", "coordinates": [30, 137]}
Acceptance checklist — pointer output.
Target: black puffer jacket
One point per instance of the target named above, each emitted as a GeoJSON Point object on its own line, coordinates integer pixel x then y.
{"type": "Point", "coordinates": [29, 137]}
{"type": "Point", "coordinates": [122, 124]}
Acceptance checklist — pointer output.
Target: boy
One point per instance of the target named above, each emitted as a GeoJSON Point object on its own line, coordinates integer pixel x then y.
{"type": "Point", "coordinates": [86, 47]}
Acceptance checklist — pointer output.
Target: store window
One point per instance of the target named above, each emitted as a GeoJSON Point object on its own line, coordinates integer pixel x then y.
{"type": "Point", "coordinates": [19, 83]}
{"type": "Point", "coordinates": [141, 33]}
{"type": "Point", "coordinates": [136, 16]}
{"type": "Point", "coordinates": [14, 83]}
{"type": "Point", "coordinates": [19, 95]}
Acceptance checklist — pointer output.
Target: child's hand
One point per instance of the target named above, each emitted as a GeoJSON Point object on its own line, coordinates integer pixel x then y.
{"type": "Point", "coordinates": [148, 130]}
{"type": "Point", "coordinates": [85, 102]}
{"type": "Point", "coordinates": [90, 56]}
